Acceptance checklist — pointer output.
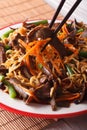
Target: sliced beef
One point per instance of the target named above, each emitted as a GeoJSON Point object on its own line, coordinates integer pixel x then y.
{"type": "Point", "coordinates": [3, 70]}
{"type": "Point", "coordinates": [25, 72]}
{"type": "Point", "coordinates": [28, 26]}
{"type": "Point", "coordinates": [32, 34]}
{"type": "Point", "coordinates": [2, 87]}
{"type": "Point", "coordinates": [14, 43]}
{"type": "Point", "coordinates": [18, 87]}
{"type": "Point", "coordinates": [59, 47]}
{"type": "Point", "coordinates": [2, 54]}
{"type": "Point", "coordinates": [43, 92]}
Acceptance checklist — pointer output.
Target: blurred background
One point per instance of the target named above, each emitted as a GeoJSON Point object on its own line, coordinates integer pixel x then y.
{"type": "Point", "coordinates": [80, 13]}
{"type": "Point", "coordinates": [12, 11]}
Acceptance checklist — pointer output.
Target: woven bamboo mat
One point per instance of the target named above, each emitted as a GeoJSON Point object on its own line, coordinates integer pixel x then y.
{"type": "Point", "coordinates": [19, 10]}
{"type": "Point", "coordinates": [12, 121]}
{"type": "Point", "coordinates": [13, 11]}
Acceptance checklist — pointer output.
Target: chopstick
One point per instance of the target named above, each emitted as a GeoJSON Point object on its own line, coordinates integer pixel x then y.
{"type": "Point", "coordinates": [67, 16]}
{"type": "Point", "coordinates": [63, 21]}
{"type": "Point", "coordinates": [56, 13]}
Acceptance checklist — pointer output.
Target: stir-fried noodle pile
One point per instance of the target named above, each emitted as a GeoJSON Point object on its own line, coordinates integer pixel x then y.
{"type": "Point", "coordinates": [45, 76]}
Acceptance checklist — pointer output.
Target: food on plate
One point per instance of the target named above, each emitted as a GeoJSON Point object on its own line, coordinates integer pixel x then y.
{"type": "Point", "coordinates": [46, 76]}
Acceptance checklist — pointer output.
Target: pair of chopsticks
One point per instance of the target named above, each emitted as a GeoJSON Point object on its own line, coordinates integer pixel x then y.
{"type": "Point", "coordinates": [65, 18]}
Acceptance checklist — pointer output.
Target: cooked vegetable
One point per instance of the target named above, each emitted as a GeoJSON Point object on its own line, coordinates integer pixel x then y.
{"type": "Point", "coordinates": [11, 89]}
{"type": "Point", "coordinates": [7, 47]}
{"type": "Point", "coordinates": [5, 35]}
{"type": "Point", "coordinates": [80, 30]}
{"type": "Point", "coordinates": [83, 54]}
{"type": "Point", "coordinates": [39, 22]}
{"type": "Point", "coordinates": [69, 70]}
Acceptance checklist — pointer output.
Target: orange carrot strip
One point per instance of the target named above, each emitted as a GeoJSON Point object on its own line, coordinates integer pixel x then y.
{"type": "Point", "coordinates": [64, 29]}
{"type": "Point", "coordinates": [69, 97]}
{"type": "Point", "coordinates": [30, 93]}
{"type": "Point", "coordinates": [34, 97]}
{"type": "Point", "coordinates": [64, 32]}
{"type": "Point", "coordinates": [71, 47]}
{"type": "Point", "coordinates": [29, 66]}
{"type": "Point", "coordinates": [35, 51]}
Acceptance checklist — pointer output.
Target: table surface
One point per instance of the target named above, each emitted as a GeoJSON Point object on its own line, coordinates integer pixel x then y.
{"type": "Point", "coordinates": [17, 11]}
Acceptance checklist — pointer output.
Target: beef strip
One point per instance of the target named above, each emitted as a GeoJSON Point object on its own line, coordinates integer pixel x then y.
{"type": "Point", "coordinates": [25, 72]}
{"type": "Point", "coordinates": [18, 87]}
{"type": "Point", "coordinates": [2, 86]}
{"type": "Point", "coordinates": [14, 42]}
{"type": "Point", "coordinates": [28, 26]}
{"type": "Point", "coordinates": [3, 70]}
{"type": "Point", "coordinates": [43, 92]}
{"type": "Point", "coordinates": [2, 54]}
{"type": "Point", "coordinates": [32, 34]}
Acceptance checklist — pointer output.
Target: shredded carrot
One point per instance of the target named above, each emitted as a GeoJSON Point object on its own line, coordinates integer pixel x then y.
{"type": "Point", "coordinates": [49, 54]}
{"type": "Point", "coordinates": [34, 97]}
{"type": "Point", "coordinates": [54, 57]}
{"type": "Point", "coordinates": [64, 33]}
{"type": "Point", "coordinates": [64, 29]}
{"type": "Point", "coordinates": [69, 97]}
{"type": "Point", "coordinates": [71, 47]}
{"type": "Point", "coordinates": [27, 46]}
{"type": "Point", "coordinates": [31, 94]}
{"type": "Point", "coordinates": [34, 49]}
{"type": "Point", "coordinates": [29, 66]}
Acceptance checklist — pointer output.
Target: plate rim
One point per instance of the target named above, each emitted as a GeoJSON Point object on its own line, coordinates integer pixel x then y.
{"type": "Point", "coordinates": [20, 112]}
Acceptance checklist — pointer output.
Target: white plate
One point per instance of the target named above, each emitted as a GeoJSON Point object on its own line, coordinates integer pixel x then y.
{"type": "Point", "coordinates": [38, 110]}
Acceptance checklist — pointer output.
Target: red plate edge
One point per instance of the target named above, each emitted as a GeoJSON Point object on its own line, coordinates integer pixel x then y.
{"type": "Point", "coordinates": [13, 110]}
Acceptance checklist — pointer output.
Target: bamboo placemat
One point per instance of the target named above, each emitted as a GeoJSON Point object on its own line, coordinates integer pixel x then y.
{"type": "Point", "coordinates": [13, 11]}
{"type": "Point", "coordinates": [12, 121]}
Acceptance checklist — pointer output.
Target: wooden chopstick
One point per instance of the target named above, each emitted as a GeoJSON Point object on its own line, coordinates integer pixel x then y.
{"type": "Point", "coordinates": [56, 13]}
{"type": "Point", "coordinates": [67, 16]}
{"type": "Point", "coordinates": [63, 21]}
